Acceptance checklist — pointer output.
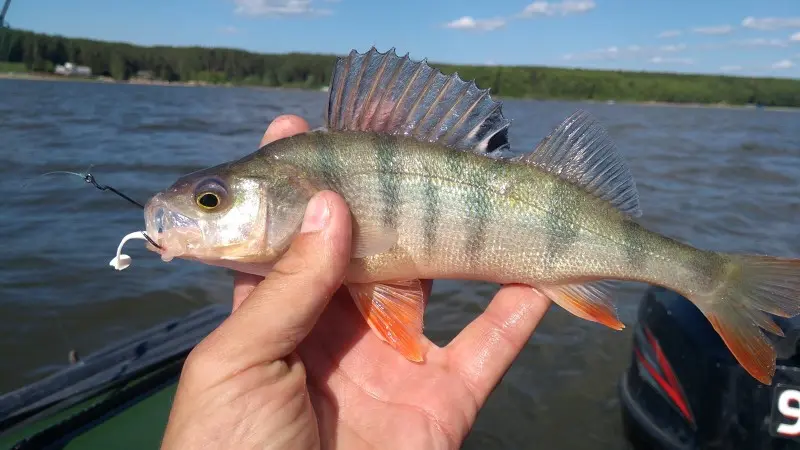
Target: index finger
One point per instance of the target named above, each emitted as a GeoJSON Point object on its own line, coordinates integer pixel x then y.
{"type": "Point", "coordinates": [482, 353]}
{"type": "Point", "coordinates": [284, 126]}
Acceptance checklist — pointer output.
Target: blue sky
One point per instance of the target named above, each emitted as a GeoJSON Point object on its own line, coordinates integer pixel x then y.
{"type": "Point", "coordinates": [753, 37]}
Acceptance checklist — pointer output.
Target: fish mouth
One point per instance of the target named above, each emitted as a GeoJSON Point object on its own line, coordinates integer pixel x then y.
{"type": "Point", "coordinates": [174, 232]}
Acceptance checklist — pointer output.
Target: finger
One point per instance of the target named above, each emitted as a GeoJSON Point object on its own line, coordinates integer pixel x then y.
{"type": "Point", "coordinates": [284, 126]}
{"type": "Point", "coordinates": [243, 285]}
{"type": "Point", "coordinates": [485, 349]}
{"type": "Point", "coordinates": [283, 308]}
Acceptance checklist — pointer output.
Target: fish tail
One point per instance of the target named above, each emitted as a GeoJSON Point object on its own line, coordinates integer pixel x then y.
{"type": "Point", "coordinates": [745, 290]}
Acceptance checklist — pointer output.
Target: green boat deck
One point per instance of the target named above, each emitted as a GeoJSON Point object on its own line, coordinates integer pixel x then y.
{"type": "Point", "coordinates": [118, 397]}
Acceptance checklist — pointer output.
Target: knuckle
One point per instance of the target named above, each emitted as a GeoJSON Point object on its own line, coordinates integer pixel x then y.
{"type": "Point", "coordinates": [291, 265]}
{"type": "Point", "coordinates": [198, 362]}
{"type": "Point", "coordinates": [289, 337]}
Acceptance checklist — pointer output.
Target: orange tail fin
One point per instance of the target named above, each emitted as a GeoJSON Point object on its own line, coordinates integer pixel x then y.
{"type": "Point", "coordinates": [752, 286]}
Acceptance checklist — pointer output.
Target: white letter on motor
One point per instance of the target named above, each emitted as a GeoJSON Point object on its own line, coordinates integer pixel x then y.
{"type": "Point", "coordinates": [789, 406]}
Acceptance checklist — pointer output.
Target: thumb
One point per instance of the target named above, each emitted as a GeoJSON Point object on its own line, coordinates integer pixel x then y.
{"type": "Point", "coordinates": [283, 308]}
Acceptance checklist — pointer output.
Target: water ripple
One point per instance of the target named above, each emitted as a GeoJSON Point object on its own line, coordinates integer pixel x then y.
{"type": "Point", "coordinates": [722, 179]}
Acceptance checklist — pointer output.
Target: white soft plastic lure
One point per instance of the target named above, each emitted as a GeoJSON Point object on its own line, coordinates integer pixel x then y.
{"type": "Point", "coordinates": [122, 261]}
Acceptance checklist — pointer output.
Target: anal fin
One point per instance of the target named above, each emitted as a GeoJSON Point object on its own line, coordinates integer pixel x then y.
{"type": "Point", "coordinates": [590, 301]}
{"type": "Point", "coordinates": [394, 311]}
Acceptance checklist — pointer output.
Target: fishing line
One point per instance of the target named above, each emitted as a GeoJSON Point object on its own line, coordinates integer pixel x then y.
{"type": "Point", "coordinates": [89, 178]}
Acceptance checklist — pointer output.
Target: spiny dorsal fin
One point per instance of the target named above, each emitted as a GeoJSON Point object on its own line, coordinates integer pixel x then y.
{"type": "Point", "coordinates": [580, 151]}
{"type": "Point", "coordinates": [385, 93]}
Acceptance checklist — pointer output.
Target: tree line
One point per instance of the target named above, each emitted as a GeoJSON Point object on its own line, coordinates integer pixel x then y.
{"type": "Point", "coordinates": [41, 52]}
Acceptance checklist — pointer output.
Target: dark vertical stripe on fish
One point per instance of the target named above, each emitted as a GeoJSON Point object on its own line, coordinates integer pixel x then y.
{"type": "Point", "coordinates": [327, 161]}
{"type": "Point", "coordinates": [386, 151]}
{"type": "Point", "coordinates": [453, 170]}
{"type": "Point", "coordinates": [634, 245]}
{"type": "Point", "coordinates": [561, 222]}
{"type": "Point", "coordinates": [430, 216]}
{"type": "Point", "coordinates": [480, 205]}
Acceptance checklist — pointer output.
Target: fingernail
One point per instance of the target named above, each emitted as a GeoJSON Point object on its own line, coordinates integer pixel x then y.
{"type": "Point", "coordinates": [317, 215]}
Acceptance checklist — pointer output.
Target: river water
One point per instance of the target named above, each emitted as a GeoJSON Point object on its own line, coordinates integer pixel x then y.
{"type": "Point", "coordinates": [723, 179]}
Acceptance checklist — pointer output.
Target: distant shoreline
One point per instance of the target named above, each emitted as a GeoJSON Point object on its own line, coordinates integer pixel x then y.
{"type": "Point", "coordinates": [27, 76]}
{"type": "Point", "coordinates": [143, 82]}
{"type": "Point", "coordinates": [106, 80]}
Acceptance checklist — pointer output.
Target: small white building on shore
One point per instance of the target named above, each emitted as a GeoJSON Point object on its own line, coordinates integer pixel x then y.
{"type": "Point", "coordinates": [69, 69]}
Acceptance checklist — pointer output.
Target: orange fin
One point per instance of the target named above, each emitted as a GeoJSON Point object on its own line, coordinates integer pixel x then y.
{"type": "Point", "coordinates": [745, 340]}
{"type": "Point", "coordinates": [394, 311]}
{"type": "Point", "coordinates": [589, 301]}
{"type": "Point", "coordinates": [766, 322]}
{"type": "Point", "coordinates": [748, 289]}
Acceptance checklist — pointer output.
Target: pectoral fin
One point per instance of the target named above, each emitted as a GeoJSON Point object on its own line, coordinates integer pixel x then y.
{"type": "Point", "coordinates": [394, 311]}
{"type": "Point", "coordinates": [371, 238]}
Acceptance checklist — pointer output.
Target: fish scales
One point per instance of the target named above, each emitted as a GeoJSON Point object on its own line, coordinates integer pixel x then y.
{"type": "Point", "coordinates": [497, 222]}
{"type": "Point", "coordinates": [420, 158]}
{"type": "Point", "coordinates": [506, 223]}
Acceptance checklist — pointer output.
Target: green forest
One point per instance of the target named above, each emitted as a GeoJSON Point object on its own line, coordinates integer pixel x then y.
{"type": "Point", "coordinates": [40, 53]}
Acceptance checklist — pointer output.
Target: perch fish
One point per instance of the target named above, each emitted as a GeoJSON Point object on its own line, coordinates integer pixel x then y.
{"type": "Point", "coordinates": [421, 159]}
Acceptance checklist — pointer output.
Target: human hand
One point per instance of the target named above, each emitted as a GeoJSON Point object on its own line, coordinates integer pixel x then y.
{"type": "Point", "coordinates": [290, 369]}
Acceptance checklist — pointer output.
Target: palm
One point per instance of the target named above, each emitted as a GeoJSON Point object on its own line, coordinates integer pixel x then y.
{"type": "Point", "coordinates": [368, 392]}
{"type": "Point", "coordinates": [364, 392]}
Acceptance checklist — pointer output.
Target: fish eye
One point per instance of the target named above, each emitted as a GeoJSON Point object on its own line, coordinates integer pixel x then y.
{"type": "Point", "coordinates": [208, 200]}
{"type": "Point", "coordinates": [210, 194]}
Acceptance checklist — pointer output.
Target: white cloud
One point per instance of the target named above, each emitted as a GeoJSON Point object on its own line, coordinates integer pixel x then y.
{"type": "Point", "coordinates": [672, 48]}
{"type": "Point", "coordinates": [731, 68]}
{"type": "Point", "coordinates": [669, 34]}
{"type": "Point", "coordinates": [278, 8]}
{"type": "Point", "coordinates": [603, 53]}
{"type": "Point", "coordinates": [563, 8]}
{"type": "Point", "coordinates": [718, 29]}
{"type": "Point", "coordinates": [599, 54]}
{"type": "Point", "coordinates": [783, 64]}
{"type": "Point", "coordinates": [795, 37]}
{"type": "Point", "coordinates": [761, 42]}
{"type": "Point", "coordinates": [771, 23]}
{"type": "Point", "coordinates": [228, 30]}
{"type": "Point", "coordinates": [630, 52]}
{"type": "Point", "coordinates": [667, 60]}
{"type": "Point", "coordinates": [468, 23]}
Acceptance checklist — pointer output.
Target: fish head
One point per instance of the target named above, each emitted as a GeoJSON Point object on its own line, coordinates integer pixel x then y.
{"type": "Point", "coordinates": [241, 215]}
{"type": "Point", "coordinates": [211, 215]}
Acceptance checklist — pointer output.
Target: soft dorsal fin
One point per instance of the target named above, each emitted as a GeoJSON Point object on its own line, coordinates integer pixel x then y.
{"type": "Point", "coordinates": [580, 151]}
{"type": "Point", "coordinates": [385, 93]}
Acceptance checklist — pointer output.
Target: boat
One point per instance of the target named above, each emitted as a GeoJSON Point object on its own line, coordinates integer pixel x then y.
{"type": "Point", "coordinates": [117, 397]}
{"type": "Point", "coordinates": [683, 390]}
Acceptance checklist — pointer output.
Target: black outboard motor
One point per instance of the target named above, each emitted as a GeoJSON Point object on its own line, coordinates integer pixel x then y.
{"type": "Point", "coordinates": [684, 389]}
